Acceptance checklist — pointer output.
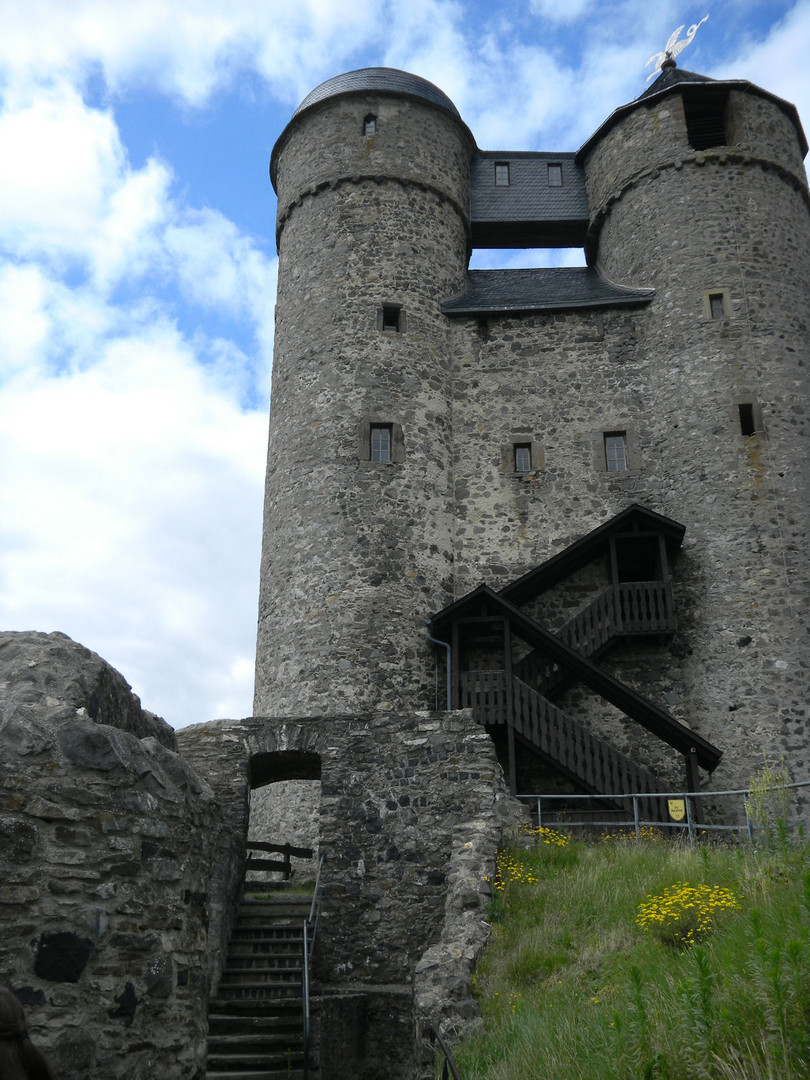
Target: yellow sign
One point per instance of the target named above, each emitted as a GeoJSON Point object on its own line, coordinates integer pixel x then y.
{"type": "Point", "coordinates": [677, 809]}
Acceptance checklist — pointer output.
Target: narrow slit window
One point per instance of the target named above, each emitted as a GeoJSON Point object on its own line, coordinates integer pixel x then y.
{"type": "Point", "coordinates": [748, 426]}
{"type": "Point", "coordinates": [523, 457]}
{"type": "Point", "coordinates": [716, 305]}
{"type": "Point", "coordinates": [501, 174]}
{"type": "Point", "coordinates": [616, 451]}
{"type": "Point", "coordinates": [391, 318]}
{"type": "Point", "coordinates": [555, 174]}
{"type": "Point", "coordinates": [380, 442]}
{"type": "Point", "coordinates": [370, 125]}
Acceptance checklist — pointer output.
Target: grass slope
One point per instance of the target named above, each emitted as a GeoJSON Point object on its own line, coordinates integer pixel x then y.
{"type": "Point", "coordinates": [645, 959]}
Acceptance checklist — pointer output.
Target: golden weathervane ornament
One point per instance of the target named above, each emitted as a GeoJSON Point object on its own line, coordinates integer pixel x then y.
{"type": "Point", "coordinates": [673, 47]}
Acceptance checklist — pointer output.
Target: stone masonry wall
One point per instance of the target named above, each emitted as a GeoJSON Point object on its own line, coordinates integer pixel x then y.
{"type": "Point", "coordinates": [734, 218]}
{"type": "Point", "coordinates": [356, 552]}
{"type": "Point", "coordinates": [107, 844]}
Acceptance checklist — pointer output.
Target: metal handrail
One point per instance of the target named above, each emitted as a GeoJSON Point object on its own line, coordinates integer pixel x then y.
{"type": "Point", "coordinates": [448, 1063]}
{"type": "Point", "coordinates": [308, 944]}
{"type": "Point", "coordinates": [689, 798]}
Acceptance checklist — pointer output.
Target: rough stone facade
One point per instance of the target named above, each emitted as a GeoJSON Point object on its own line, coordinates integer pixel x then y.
{"type": "Point", "coordinates": [409, 829]}
{"type": "Point", "coordinates": [123, 849]}
{"type": "Point", "coordinates": [108, 869]}
{"type": "Point", "coordinates": [122, 845]}
{"type": "Point", "coordinates": [358, 553]}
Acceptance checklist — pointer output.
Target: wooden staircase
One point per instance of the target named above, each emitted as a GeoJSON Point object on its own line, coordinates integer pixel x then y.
{"type": "Point", "coordinates": [255, 1022]}
{"type": "Point", "coordinates": [569, 745]}
{"type": "Point", "coordinates": [630, 609]}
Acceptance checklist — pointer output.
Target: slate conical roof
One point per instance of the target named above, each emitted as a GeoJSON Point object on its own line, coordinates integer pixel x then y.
{"type": "Point", "coordinates": [382, 80]}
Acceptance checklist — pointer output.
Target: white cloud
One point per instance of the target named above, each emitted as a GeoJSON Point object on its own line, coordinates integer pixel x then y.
{"type": "Point", "coordinates": [779, 63]}
{"type": "Point", "coordinates": [187, 49]}
{"type": "Point", "coordinates": [132, 513]}
{"type": "Point", "coordinates": [556, 11]}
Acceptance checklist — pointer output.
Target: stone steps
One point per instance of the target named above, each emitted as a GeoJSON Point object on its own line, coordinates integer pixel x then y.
{"type": "Point", "coordinates": [255, 1022]}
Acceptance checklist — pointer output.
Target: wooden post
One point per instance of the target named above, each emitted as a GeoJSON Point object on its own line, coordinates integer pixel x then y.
{"type": "Point", "coordinates": [510, 706]}
{"type": "Point", "coordinates": [693, 782]}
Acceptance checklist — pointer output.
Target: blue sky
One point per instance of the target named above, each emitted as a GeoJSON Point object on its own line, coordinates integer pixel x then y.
{"type": "Point", "coordinates": [138, 272]}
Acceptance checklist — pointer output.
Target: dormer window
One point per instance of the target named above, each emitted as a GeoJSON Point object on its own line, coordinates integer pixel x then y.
{"type": "Point", "coordinates": [501, 174]}
{"type": "Point", "coordinates": [554, 174]}
{"type": "Point", "coordinates": [370, 125]}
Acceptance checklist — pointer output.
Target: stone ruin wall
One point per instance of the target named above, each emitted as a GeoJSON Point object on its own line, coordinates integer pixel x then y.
{"type": "Point", "coordinates": [122, 851]}
{"type": "Point", "coordinates": [109, 866]}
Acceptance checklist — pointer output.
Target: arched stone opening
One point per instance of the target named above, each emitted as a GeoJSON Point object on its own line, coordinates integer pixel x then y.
{"type": "Point", "coordinates": [285, 800]}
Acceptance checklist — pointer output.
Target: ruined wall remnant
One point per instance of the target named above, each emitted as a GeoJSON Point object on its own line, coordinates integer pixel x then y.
{"type": "Point", "coordinates": [106, 843]}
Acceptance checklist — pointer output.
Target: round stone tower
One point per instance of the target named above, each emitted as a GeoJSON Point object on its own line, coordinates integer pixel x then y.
{"type": "Point", "coordinates": [698, 190]}
{"type": "Point", "coordinates": [372, 178]}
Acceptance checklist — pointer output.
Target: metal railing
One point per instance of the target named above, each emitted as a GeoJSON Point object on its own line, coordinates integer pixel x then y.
{"type": "Point", "coordinates": [689, 802]}
{"type": "Point", "coordinates": [449, 1068]}
{"type": "Point", "coordinates": [308, 945]}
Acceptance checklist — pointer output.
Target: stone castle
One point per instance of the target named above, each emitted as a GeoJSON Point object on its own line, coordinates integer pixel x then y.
{"type": "Point", "coordinates": [526, 531]}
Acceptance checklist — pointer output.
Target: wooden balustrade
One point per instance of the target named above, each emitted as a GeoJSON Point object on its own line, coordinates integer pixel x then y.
{"type": "Point", "coordinates": [565, 741]}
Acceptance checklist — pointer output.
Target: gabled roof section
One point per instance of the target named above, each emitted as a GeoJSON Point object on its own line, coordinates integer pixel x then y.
{"type": "Point", "coordinates": [674, 80]}
{"type": "Point", "coordinates": [639, 708]}
{"type": "Point", "coordinates": [541, 289]}
{"type": "Point", "coordinates": [635, 518]}
{"type": "Point", "coordinates": [528, 211]}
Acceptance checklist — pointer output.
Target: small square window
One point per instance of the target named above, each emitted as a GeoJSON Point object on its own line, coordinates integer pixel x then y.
{"type": "Point", "coordinates": [523, 457]}
{"type": "Point", "coordinates": [390, 319]}
{"type": "Point", "coordinates": [716, 304]}
{"type": "Point", "coordinates": [501, 174]}
{"type": "Point", "coordinates": [380, 447]}
{"type": "Point", "coordinates": [370, 125]}
{"type": "Point", "coordinates": [554, 174]}
{"type": "Point", "coordinates": [616, 451]}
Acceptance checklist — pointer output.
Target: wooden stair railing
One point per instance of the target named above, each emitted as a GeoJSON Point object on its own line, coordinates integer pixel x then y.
{"type": "Point", "coordinates": [630, 608]}
{"type": "Point", "coordinates": [569, 745]}
{"type": "Point", "coordinates": [282, 866]}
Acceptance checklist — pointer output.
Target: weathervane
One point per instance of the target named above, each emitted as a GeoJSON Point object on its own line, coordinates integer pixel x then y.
{"type": "Point", "coordinates": [673, 47]}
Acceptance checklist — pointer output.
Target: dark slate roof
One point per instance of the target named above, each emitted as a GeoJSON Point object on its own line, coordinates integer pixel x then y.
{"type": "Point", "coordinates": [674, 80]}
{"type": "Point", "coordinates": [527, 212]}
{"type": "Point", "coordinates": [545, 289]}
{"type": "Point", "coordinates": [672, 76]}
{"type": "Point", "coordinates": [385, 80]}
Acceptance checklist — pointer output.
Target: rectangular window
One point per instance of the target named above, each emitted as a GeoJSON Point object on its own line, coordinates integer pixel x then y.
{"type": "Point", "coordinates": [706, 122]}
{"type": "Point", "coordinates": [370, 125]}
{"type": "Point", "coordinates": [716, 304]}
{"type": "Point", "coordinates": [523, 457]}
{"type": "Point", "coordinates": [501, 174]}
{"type": "Point", "coordinates": [391, 318]}
{"type": "Point", "coordinates": [554, 175]}
{"type": "Point", "coordinates": [380, 442]}
{"type": "Point", "coordinates": [616, 451]}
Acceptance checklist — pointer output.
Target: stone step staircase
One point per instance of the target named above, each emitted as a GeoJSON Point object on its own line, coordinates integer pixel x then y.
{"type": "Point", "coordinates": [255, 1022]}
